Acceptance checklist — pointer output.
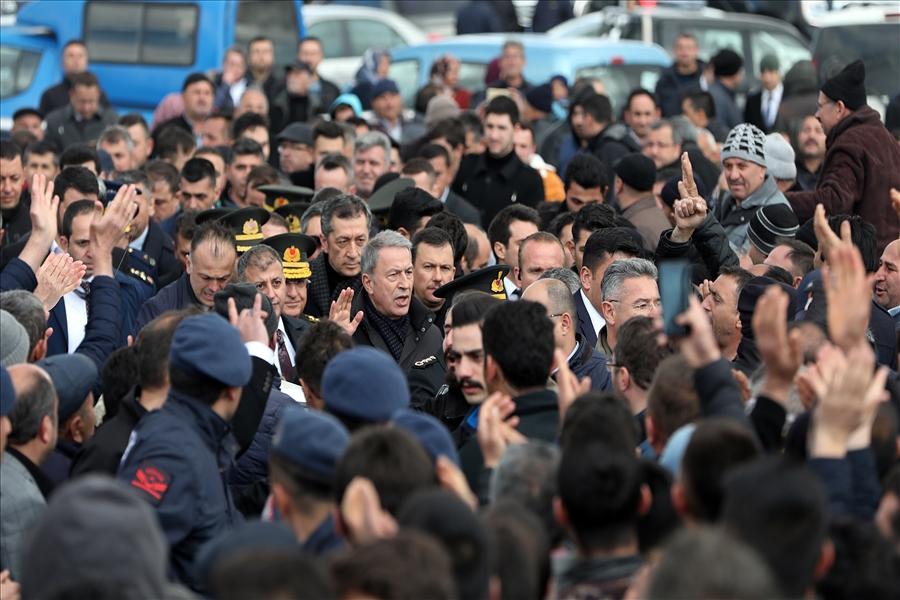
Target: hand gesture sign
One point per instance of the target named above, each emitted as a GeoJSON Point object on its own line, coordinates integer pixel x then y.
{"type": "Point", "coordinates": [780, 351]}
{"type": "Point", "coordinates": [690, 210]}
{"type": "Point", "coordinates": [58, 276]}
{"type": "Point", "coordinates": [340, 312]}
{"type": "Point", "coordinates": [44, 207]}
{"type": "Point", "coordinates": [251, 323]}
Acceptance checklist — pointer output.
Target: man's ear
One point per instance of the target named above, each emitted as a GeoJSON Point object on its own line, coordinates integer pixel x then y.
{"type": "Point", "coordinates": [45, 430]}
{"type": "Point", "coordinates": [608, 312]}
{"type": "Point", "coordinates": [559, 513]}
{"type": "Point", "coordinates": [281, 499]}
{"type": "Point", "coordinates": [499, 252]}
{"type": "Point", "coordinates": [624, 378]}
{"type": "Point", "coordinates": [585, 275]}
{"type": "Point", "coordinates": [73, 427]}
{"type": "Point", "coordinates": [646, 500]}
{"type": "Point", "coordinates": [650, 426]}
{"type": "Point", "coordinates": [825, 560]}
{"type": "Point", "coordinates": [404, 232]}
{"type": "Point", "coordinates": [367, 283]}
{"type": "Point", "coordinates": [63, 242]}
{"type": "Point", "coordinates": [679, 500]}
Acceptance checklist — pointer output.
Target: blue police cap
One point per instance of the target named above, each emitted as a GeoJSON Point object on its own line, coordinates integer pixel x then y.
{"type": "Point", "coordinates": [364, 384]}
{"type": "Point", "coordinates": [7, 393]}
{"type": "Point", "coordinates": [209, 345]}
{"type": "Point", "coordinates": [430, 432]}
{"type": "Point", "coordinates": [73, 376]}
{"type": "Point", "coordinates": [312, 440]}
{"type": "Point", "coordinates": [252, 536]}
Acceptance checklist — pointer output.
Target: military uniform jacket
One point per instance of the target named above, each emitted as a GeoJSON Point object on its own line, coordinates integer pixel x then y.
{"type": "Point", "coordinates": [177, 459]}
{"type": "Point", "coordinates": [422, 359]}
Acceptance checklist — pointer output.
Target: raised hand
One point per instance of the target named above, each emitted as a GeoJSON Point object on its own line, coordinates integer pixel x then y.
{"type": "Point", "coordinates": [699, 346]}
{"type": "Point", "coordinates": [453, 480]}
{"type": "Point", "coordinates": [497, 428]}
{"type": "Point", "coordinates": [848, 290]}
{"type": "Point", "coordinates": [44, 208]}
{"type": "Point", "coordinates": [58, 276]}
{"type": "Point", "coordinates": [895, 200]}
{"type": "Point", "coordinates": [781, 352]}
{"type": "Point", "coordinates": [825, 236]}
{"type": "Point", "coordinates": [251, 322]}
{"type": "Point", "coordinates": [691, 209]}
{"type": "Point", "coordinates": [340, 312]}
{"type": "Point", "coordinates": [362, 515]}
{"type": "Point", "coordinates": [109, 229]}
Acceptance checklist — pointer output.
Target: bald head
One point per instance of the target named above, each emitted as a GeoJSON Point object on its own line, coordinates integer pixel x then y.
{"type": "Point", "coordinates": [554, 295]}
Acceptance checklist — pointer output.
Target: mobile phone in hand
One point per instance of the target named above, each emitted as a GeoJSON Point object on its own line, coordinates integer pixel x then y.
{"type": "Point", "coordinates": [674, 291]}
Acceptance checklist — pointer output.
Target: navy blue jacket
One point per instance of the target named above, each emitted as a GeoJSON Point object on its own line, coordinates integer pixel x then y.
{"type": "Point", "coordinates": [177, 460]}
{"type": "Point", "coordinates": [253, 465]}
{"type": "Point", "coordinates": [102, 334]}
{"type": "Point", "coordinates": [589, 362]}
{"type": "Point", "coordinates": [17, 275]}
{"type": "Point", "coordinates": [159, 246]}
{"type": "Point", "coordinates": [175, 296]}
{"type": "Point", "coordinates": [585, 326]}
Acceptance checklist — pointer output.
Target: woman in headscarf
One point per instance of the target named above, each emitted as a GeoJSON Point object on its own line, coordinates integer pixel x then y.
{"type": "Point", "coordinates": [445, 74]}
{"type": "Point", "coordinates": [375, 66]}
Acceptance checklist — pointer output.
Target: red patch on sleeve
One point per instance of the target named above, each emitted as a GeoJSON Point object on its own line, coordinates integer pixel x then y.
{"type": "Point", "coordinates": [152, 481]}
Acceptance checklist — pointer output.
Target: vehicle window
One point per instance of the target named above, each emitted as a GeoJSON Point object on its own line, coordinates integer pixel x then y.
{"type": "Point", "coordinates": [161, 34]}
{"type": "Point", "coordinates": [876, 43]}
{"type": "Point", "coordinates": [471, 76]}
{"type": "Point", "coordinates": [275, 20]}
{"type": "Point", "coordinates": [787, 49]}
{"type": "Point", "coordinates": [709, 39]}
{"type": "Point", "coordinates": [619, 80]}
{"type": "Point", "coordinates": [406, 74]}
{"type": "Point", "coordinates": [366, 33]}
{"type": "Point", "coordinates": [17, 70]}
{"type": "Point", "coordinates": [334, 42]}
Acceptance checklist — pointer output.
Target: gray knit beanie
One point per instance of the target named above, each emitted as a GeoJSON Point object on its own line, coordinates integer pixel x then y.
{"type": "Point", "coordinates": [780, 157]}
{"type": "Point", "coordinates": [13, 340]}
{"type": "Point", "coordinates": [746, 142]}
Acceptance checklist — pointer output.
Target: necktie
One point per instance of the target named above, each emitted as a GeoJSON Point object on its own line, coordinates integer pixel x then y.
{"type": "Point", "coordinates": [284, 359]}
{"type": "Point", "coordinates": [83, 291]}
{"type": "Point", "coordinates": [770, 108]}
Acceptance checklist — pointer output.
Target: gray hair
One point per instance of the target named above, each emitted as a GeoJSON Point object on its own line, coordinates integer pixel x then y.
{"type": "Point", "coordinates": [527, 473]}
{"type": "Point", "coordinates": [28, 311]}
{"type": "Point", "coordinates": [567, 276]}
{"type": "Point", "coordinates": [345, 206]}
{"type": "Point", "coordinates": [676, 135]}
{"type": "Point", "coordinates": [386, 239]}
{"type": "Point", "coordinates": [621, 270]}
{"type": "Point", "coordinates": [374, 139]}
{"type": "Point", "coordinates": [259, 257]}
{"type": "Point", "coordinates": [36, 401]}
{"type": "Point", "coordinates": [683, 126]}
{"type": "Point", "coordinates": [115, 134]}
{"type": "Point", "coordinates": [560, 299]}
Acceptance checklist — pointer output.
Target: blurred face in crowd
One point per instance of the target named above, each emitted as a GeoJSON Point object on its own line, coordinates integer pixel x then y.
{"type": "Point", "coordinates": [41, 163]}
{"type": "Point", "coordinates": [252, 101]}
{"type": "Point", "coordinates": [198, 100]}
{"type": "Point", "coordinates": [583, 123]}
{"type": "Point", "coordinates": [260, 135]}
{"type": "Point", "coordinates": [238, 171]}
{"type": "Point", "coordinates": [640, 114]}
{"type": "Point", "coordinates": [368, 166]}
{"type": "Point", "coordinates": [29, 122]}
{"type": "Point", "coordinates": [120, 154]}
{"type": "Point", "coordinates": [722, 307]}
{"type": "Point", "coordinates": [423, 181]}
{"type": "Point", "coordinates": [390, 285]}
{"type": "Point", "coordinates": [591, 281]}
{"type": "Point", "coordinates": [512, 62]}
{"type": "Point", "coordinates": [537, 257]}
{"type": "Point", "coordinates": [197, 195]}
{"type": "Point", "coordinates": [336, 178]}
{"type": "Point", "coordinates": [578, 197]}
{"type": "Point", "coordinates": [638, 296]}
{"type": "Point", "coordinates": [466, 358]}
{"type": "Point", "coordinates": [12, 180]}
{"type": "Point", "coordinates": [213, 131]}
{"type": "Point", "coordinates": [145, 209]}
{"type": "Point", "coordinates": [74, 59]}
{"type": "Point", "coordinates": [209, 267]}
{"type": "Point", "coordinates": [326, 145]}
{"type": "Point", "coordinates": [310, 52]}
{"type": "Point", "coordinates": [686, 53]}
{"type": "Point", "coordinates": [270, 281]}
{"type": "Point", "coordinates": [218, 164]}
{"type": "Point", "coordinates": [345, 243]}
{"type": "Point", "coordinates": [81, 426]}
{"type": "Point", "coordinates": [182, 250]}
{"type": "Point", "coordinates": [294, 156]}
{"type": "Point", "coordinates": [661, 147]}
{"type": "Point", "coordinates": [523, 142]}
{"type": "Point", "coordinates": [297, 81]}
{"type": "Point", "coordinates": [830, 112]}
{"type": "Point", "coordinates": [433, 268]}
{"type": "Point", "coordinates": [565, 237]}
{"type": "Point", "coordinates": [78, 245]}
{"type": "Point", "coordinates": [770, 79]}
{"type": "Point", "coordinates": [234, 66]}
{"type": "Point", "coordinates": [441, 169]}
{"type": "Point", "coordinates": [811, 139]}
{"type": "Point", "coordinates": [498, 134]}
{"type": "Point", "coordinates": [261, 56]}
{"type": "Point", "coordinates": [85, 100]}
{"type": "Point", "coordinates": [294, 297]}
{"type": "Point", "coordinates": [387, 106]}
{"type": "Point", "coordinates": [887, 277]}
{"type": "Point", "coordinates": [743, 177]}
{"type": "Point", "coordinates": [142, 145]}
{"type": "Point", "coordinates": [509, 254]}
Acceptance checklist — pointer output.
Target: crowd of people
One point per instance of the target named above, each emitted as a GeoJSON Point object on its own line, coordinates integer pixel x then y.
{"type": "Point", "coordinates": [289, 341]}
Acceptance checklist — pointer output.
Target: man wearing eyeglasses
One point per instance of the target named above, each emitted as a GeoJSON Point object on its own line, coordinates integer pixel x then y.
{"type": "Point", "coordinates": [629, 289]}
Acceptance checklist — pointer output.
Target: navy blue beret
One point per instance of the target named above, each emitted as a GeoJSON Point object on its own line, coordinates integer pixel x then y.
{"type": "Point", "coordinates": [364, 384]}
{"type": "Point", "coordinates": [73, 376]}
{"type": "Point", "coordinates": [430, 432]}
{"type": "Point", "coordinates": [209, 345]}
{"type": "Point", "coordinates": [252, 536]}
{"type": "Point", "coordinates": [7, 393]}
{"type": "Point", "coordinates": [312, 440]}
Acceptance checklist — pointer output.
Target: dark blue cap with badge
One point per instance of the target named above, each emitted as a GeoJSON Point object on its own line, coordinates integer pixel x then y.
{"type": "Point", "coordinates": [364, 384]}
{"type": "Point", "coordinates": [7, 392]}
{"type": "Point", "coordinates": [314, 441]}
{"type": "Point", "coordinates": [73, 376]}
{"type": "Point", "coordinates": [430, 432]}
{"type": "Point", "coordinates": [210, 346]}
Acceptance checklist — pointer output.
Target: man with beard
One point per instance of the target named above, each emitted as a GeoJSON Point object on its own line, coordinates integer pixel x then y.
{"type": "Point", "coordinates": [810, 149]}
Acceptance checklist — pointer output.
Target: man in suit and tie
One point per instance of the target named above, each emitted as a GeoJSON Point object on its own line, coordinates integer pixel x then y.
{"type": "Point", "coordinates": [887, 281]}
{"type": "Point", "coordinates": [762, 106]}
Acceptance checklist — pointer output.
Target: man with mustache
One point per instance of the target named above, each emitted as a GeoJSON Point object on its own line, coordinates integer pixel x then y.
{"type": "Point", "coordinates": [394, 320]}
{"type": "Point", "coordinates": [810, 148]}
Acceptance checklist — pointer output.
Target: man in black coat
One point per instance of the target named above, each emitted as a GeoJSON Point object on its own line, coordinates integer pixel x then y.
{"type": "Point", "coordinates": [762, 105]}
{"type": "Point", "coordinates": [497, 178]}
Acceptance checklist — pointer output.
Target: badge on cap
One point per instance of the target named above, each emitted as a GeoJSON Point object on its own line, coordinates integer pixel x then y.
{"type": "Point", "coordinates": [152, 481]}
{"type": "Point", "coordinates": [280, 201]}
{"type": "Point", "coordinates": [293, 223]}
{"type": "Point", "coordinates": [251, 227]}
{"type": "Point", "coordinates": [497, 286]}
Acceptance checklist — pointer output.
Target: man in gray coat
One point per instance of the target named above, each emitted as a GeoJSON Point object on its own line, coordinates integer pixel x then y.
{"type": "Point", "coordinates": [83, 119]}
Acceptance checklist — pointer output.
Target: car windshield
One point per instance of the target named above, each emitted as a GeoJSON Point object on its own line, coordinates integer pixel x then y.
{"type": "Point", "coordinates": [877, 44]}
{"type": "Point", "coordinates": [17, 70]}
{"type": "Point", "coordinates": [619, 80]}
